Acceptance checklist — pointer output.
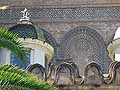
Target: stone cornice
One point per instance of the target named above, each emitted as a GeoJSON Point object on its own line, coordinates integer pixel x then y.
{"type": "Point", "coordinates": [73, 5]}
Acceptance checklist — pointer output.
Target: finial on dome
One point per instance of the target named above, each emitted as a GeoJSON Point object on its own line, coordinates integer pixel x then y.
{"type": "Point", "coordinates": [25, 17]}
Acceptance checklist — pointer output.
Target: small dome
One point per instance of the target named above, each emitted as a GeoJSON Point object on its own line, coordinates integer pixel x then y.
{"type": "Point", "coordinates": [29, 31]}
{"type": "Point", "coordinates": [117, 34]}
{"type": "Point", "coordinates": [25, 29]}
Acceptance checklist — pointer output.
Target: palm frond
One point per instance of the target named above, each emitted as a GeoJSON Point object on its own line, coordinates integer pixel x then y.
{"type": "Point", "coordinates": [10, 41]}
{"type": "Point", "coordinates": [14, 77]}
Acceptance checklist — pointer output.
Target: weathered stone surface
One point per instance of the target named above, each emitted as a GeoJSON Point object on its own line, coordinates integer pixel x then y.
{"type": "Point", "coordinates": [93, 74]}
{"type": "Point", "coordinates": [64, 75]}
{"type": "Point", "coordinates": [111, 73]}
{"type": "Point", "coordinates": [116, 73]}
{"type": "Point", "coordinates": [62, 18]}
{"type": "Point", "coordinates": [38, 70]}
{"type": "Point", "coordinates": [52, 14]}
{"type": "Point", "coordinates": [56, 2]}
{"type": "Point", "coordinates": [88, 87]}
{"type": "Point", "coordinates": [84, 45]}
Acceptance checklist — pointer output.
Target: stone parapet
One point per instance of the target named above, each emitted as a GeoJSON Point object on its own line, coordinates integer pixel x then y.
{"type": "Point", "coordinates": [89, 87]}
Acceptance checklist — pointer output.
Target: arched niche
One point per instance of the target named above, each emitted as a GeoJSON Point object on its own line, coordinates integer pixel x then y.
{"type": "Point", "coordinates": [93, 74]}
{"type": "Point", "coordinates": [84, 45]}
{"type": "Point", "coordinates": [64, 75]}
{"type": "Point", "coordinates": [38, 70]}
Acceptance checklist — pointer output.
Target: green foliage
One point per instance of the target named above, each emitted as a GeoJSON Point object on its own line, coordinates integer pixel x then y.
{"type": "Point", "coordinates": [10, 41]}
{"type": "Point", "coordinates": [14, 78]}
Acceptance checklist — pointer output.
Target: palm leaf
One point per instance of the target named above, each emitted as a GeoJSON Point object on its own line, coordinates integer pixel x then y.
{"type": "Point", "coordinates": [10, 41]}
{"type": "Point", "coordinates": [19, 79]}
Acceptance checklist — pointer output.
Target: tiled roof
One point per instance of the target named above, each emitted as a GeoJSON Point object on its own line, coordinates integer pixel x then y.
{"type": "Point", "coordinates": [29, 31]}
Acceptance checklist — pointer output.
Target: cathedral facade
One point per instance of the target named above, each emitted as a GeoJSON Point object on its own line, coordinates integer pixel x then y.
{"type": "Point", "coordinates": [64, 31]}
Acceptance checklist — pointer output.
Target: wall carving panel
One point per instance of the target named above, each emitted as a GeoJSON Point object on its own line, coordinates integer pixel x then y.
{"type": "Point", "coordinates": [64, 14]}
{"type": "Point", "coordinates": [84, 45]}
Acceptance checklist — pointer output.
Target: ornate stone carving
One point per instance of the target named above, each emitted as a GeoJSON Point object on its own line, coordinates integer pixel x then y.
{"type": "Point", "coordinates": [84, 45]}
{"type": "Point", "coordinates": [110, 77]}
{"type": "Point", "coordinates": [65, 14]}
{"type": "Point", "coordinates": [38, 70]}
{"type": "Point", "coordinates": [78, 79]}
{"type": "Point", "coordinates": [51, 69]}
{"type": "Point", "coordinates": [116, 74]}
{"type": "Point", "coordinates": [51, 73]}
{"type": "Point", "coordinates": [76, 69]}
{"type": "Point", "coordinates": [93, 74]}
{"type": "Point", "coordinates": [51, 39]}
{"type": "Point", "coordinates": [25, 15]}
{"type": "Point", "coordinates": [64, 75]}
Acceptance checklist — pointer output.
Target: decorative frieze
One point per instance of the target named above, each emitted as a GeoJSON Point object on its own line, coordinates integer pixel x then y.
{"type": "Point", "coordinates": [64, 14]}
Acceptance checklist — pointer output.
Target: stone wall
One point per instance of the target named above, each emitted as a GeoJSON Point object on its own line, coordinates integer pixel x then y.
{"type": "Point", "coordinates": [67, 77]}
{"type": "Point", "coordinates": [56, 2]}
{"type": "Point", "coordinates": [58, 21]}
{"type": "Point", "coordinates": [105, 29]}
{"type": "Point", "coordinates": [88, 87]}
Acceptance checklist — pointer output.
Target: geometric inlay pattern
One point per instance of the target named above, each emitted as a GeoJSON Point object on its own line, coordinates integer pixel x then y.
{"type": "Point", "coordinates": [64, 14]}
{"type": "Point", "coordinates": [84, 45]}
